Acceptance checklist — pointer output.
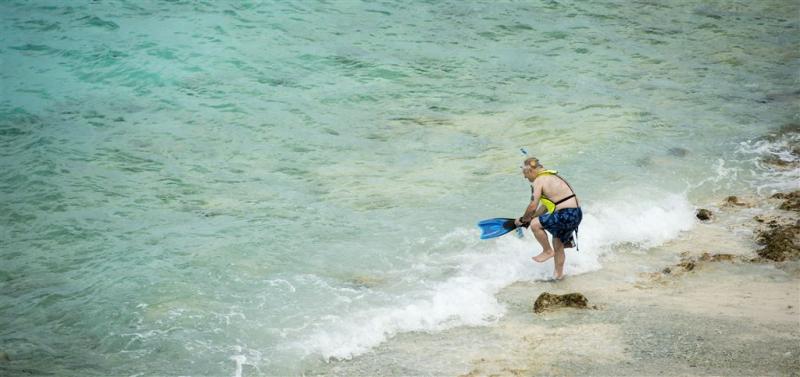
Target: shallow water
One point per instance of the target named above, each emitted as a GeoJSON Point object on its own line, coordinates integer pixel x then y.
{"type": "Point", "coordinates": [188, 187]}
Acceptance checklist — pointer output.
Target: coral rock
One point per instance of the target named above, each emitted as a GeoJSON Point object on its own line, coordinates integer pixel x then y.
{"type": "Point", "coordinates": [548, 300]}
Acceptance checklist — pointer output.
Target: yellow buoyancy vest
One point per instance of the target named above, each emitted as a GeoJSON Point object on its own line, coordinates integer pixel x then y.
{"type": "Point", "coordinates": [551, 207]}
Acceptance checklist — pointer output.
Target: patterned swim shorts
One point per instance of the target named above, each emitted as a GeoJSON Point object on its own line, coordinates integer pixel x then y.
{"type": "Point", "coordinates": [562, 223]}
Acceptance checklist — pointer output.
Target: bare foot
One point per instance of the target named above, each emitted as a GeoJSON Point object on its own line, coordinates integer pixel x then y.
{"type": "Point", "coordinates": [558, 277]}
{"type": "Point", "coordinates": [544, 256]}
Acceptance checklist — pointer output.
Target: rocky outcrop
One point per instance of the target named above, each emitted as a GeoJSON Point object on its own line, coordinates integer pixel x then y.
{"type": "Point", "coordinates": [780, 235]}
{"type": "Point", "coordinates": [778, 232]}
{"type": "Point", "coordinates": [781, 241]}
{"type": "Point", "coordinates": [784, 161]}
{"type": "Point", "coordinates": [547, 301]}
{"type": "Point", "coordinates": [791, 201]}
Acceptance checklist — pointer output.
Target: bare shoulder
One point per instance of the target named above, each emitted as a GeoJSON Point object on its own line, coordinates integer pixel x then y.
{"type": "Point", "coordinates": [552, 184]}
{"type": "Point", "coordinates": [541, 182]}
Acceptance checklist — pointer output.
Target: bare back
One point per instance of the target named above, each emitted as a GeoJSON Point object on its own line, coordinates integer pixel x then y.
{"type": "Point", "coordinates": [555, 189]}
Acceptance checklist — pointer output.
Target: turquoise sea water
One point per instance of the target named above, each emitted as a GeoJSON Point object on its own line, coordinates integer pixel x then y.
{"type": "Point", "coordinates": [256, 188]}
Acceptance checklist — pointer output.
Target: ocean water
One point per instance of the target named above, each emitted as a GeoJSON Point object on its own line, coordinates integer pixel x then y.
{"type": "Point", "coordinates": [261, 188]}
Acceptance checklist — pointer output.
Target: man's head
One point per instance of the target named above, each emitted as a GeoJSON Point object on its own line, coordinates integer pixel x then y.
{"type": "Point", "coordinates": [530, 167]}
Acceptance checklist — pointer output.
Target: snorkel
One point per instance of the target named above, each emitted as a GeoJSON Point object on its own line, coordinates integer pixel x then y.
{"type": "Point", "coordinates": [519, 232]}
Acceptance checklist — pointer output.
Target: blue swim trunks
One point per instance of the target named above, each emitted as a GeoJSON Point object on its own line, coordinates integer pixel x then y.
{"type": "Point", "coordinates": [562, 223]}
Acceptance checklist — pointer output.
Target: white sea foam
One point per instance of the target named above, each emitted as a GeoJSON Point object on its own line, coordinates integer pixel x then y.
{"type": "Point", "coordinates": [773, 177]}
{"type": "Point", "coordinates": [483, 269]}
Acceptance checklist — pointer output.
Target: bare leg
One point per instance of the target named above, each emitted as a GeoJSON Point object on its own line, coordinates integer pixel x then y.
{"type": "Point", "coordinates": [541, 236]}
{"type": "Point", "coordinates": [560, 257]}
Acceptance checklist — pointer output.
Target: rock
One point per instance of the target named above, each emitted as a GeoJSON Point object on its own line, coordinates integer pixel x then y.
{"type": "Point", "coordinates": [786, 129]}
{"type": "Point", "coordinates": [791, 201]}
{"type": "Point", "coordinates": [704, 214]}
{"type": "Point", "coordinates": [777, 162]}
{"type": "Point", "coordinates": [364, 281]}
{"type": "Point", "coordinates": [548, 300]}
{"type": "Point", "coordinates": [781, 242]}
{"type": "Point", "coordinates": [687, 265]}
{"type": "Point", "coordinates": [644, 162]}
{"type": "Point", "coordinates": [4, 357]}
{"type": "Point", "coordinates": [706, 257]}
{"type": "Point", "coordinates": [733, 201]}
{"type": "Point", "coordinates": [678, 152]}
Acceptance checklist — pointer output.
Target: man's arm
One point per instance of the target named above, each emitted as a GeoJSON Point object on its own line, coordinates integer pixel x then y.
{"type": "Point", "coordinates": [533, 209]}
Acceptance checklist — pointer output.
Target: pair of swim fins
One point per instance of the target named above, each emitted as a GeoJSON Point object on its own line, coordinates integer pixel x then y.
{"type": "Point", "coordinates": [496, 227]}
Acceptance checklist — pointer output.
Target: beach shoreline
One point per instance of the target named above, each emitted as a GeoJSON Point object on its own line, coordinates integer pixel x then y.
{"type": "Point", "coordinates": [702, 304]}
{"type": "Point", "coordinates": [736, 314]}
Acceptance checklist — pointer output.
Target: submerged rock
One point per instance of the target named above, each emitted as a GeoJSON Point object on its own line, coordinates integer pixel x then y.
{"type": "Point", "coordinates": [4, 357]}
{"type": "Point", "coordinates": [777, 162]}
{"type": "Point", "coordinates": [364, 281]}
{"type": "Point", "coordinates": [548, 300]}
{"type": "Point", "coordinates": [678, 151]}
{"type": "Point", "coordinates": [644, 162]}
{"type": "Point", "coordinates": [704, 214]}
{"type": "Point", "coordinates": [786, 129]}
{"type": "Point", "coordinates": [734, 201]}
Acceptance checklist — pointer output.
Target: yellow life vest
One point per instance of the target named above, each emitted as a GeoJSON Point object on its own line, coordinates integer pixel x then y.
{"type": "Point", "coordinates": [551, 207]}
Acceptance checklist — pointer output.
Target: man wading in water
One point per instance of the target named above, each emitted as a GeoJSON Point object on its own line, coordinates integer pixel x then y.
{"type": "Point", "coordinates": [560, 216]}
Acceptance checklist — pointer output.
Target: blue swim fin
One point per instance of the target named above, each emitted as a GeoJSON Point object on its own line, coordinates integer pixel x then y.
{"type": "Point", "coordinates": [496, 227]}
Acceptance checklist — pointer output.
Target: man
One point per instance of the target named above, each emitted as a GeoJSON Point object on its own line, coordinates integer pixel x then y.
{"type": "Point", "coordinates": [560, 213]}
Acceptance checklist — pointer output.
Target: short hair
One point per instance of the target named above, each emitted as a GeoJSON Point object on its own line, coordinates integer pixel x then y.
{"type": "Point", "coordinates": [532, 162]}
